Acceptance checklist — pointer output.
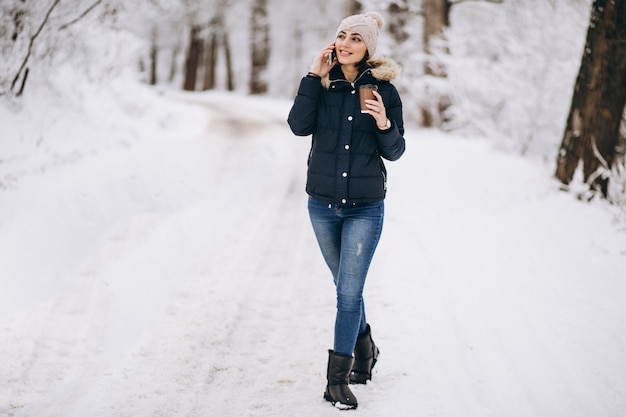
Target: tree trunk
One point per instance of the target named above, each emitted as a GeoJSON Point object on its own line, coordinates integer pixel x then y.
{"type": "Point", "coordinates": [173, 62]}
{"type": "Point", "coordinates": [597, 108]}
{"type": "Point", "coordinates": [436, 20]}
{"type": "Point", "coordinates": [351, 7]}
{"type": "Point", "coordinates": [193, 59]}
{"type": "Point", "coordinates": [210, 58]}
{"type": "Point", "coordinates": [154, 56]}
{"type": "Point", "coordinates": [260, 50]}
{"type": "Point", "coordinates": [398, 12]}
{"type": "Point", "coordinates": [230, 80]}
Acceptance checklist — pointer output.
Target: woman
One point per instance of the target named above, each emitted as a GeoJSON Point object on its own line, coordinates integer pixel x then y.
{"type": "Point", "coordinates": [346, 181]}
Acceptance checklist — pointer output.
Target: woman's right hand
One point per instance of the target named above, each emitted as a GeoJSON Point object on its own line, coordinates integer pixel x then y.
{"type": "Point", "coordinates": [320, 65]}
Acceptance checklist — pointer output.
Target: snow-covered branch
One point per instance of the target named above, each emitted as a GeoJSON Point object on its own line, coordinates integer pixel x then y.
{"type": "Point", "coordinates": [30, 48]}
{"type": "Point", "coordinates": [82, 15]}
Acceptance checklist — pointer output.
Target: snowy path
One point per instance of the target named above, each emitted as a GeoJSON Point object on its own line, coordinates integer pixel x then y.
{"type": "Point", "coordinates": [179, 277]}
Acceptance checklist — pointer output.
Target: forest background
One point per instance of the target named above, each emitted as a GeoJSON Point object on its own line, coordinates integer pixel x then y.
{"type": "Point", "coordinates": [501, 69]}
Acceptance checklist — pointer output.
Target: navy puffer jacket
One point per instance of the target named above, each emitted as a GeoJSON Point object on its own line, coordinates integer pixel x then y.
{"type": "Point", "coordinates": [345, 163]}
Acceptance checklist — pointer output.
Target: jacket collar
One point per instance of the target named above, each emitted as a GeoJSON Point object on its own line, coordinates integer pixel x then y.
{"type": "Point", "coordinates": [379, 69]}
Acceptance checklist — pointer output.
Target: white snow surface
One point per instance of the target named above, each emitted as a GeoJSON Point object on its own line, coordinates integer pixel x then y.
{"type": "Point", "coordinates": [156, 259]}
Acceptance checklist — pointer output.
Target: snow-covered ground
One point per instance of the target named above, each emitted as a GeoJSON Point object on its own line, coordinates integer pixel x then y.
{"type": "Point", "coordinates": [156, 260]}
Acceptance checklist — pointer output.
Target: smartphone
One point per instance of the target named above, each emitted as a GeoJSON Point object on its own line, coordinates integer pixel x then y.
{"type": "Point", "coordinates": [331, 58]}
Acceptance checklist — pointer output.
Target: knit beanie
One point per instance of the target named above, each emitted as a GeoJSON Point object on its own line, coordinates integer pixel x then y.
{"type": "Point", "coordinates": [367, 25]}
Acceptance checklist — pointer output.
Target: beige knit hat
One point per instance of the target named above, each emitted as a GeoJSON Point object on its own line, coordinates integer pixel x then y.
{"type": "Point", "coordinates": [367, 25]}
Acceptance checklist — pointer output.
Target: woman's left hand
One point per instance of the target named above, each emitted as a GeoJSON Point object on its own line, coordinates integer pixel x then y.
{"type": "Point", "coordinates": [377, 110]}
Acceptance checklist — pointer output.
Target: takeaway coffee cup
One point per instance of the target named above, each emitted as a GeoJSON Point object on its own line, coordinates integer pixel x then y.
{"type": "Point", "coordinates": [366, 93]}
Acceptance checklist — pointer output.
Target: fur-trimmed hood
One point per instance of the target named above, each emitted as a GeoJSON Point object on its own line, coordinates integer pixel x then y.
{"type": "Point", "coordinates": [382, 69]}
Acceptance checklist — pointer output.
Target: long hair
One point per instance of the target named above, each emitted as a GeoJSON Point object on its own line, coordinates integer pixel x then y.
{"type": "Point", "coordinates": [362, 65]}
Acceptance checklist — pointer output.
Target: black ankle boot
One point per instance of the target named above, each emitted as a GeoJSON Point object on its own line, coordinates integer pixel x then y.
{"type": "Point", "coordinates": [365, 357]}
{"type": "Point", "coordinates": [338, 377]}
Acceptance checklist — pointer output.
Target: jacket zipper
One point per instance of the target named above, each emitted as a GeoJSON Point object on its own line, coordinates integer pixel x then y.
{"type": "Point", "coordinates": [367, 71]}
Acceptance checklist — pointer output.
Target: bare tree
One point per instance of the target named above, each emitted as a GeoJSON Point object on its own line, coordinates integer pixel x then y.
{"type": "Point", "coordinates": [436, 20]}
{"type": "Point", "coordinates": [210, 60]}
{"type": "Point", "coordinates": [260, 47]}
{"type": "Point", "coordinates": [193, 58]}
{"type": "Point", "coordinates": [217, 41]}
{"type": "Point", "coordinates": [592, 131]}
{"type": "Point", "coordinates": [154, 57]}
{"type": "Point", "coordinates": [230, 80]}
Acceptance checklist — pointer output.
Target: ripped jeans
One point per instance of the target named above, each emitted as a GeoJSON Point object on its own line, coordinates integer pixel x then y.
{"type": "Point", "coordinates": [347, 237]}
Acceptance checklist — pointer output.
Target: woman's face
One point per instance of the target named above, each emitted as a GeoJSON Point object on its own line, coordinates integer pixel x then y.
{"type": "Point", "coordinates": [350, 48]}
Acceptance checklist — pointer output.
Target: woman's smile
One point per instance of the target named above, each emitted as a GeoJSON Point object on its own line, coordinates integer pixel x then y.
{"type": "Point", "coordinates": [350, 47]}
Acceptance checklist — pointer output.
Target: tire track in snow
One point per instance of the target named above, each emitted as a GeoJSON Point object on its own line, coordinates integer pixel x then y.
{"type": "Point", "coordinates": [241, 304]}
{"type": "Point", "coordinates": [181, 350]}
{"type": "Point", "coordinates": [266, 355]}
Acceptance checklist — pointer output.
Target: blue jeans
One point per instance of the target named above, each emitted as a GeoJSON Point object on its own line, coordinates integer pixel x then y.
{"type": "Point", "coordinates": [347, 237]}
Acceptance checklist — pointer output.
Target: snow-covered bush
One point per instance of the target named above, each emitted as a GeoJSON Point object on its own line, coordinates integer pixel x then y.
{"type": "Point", "coordinates": [512, 69]}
